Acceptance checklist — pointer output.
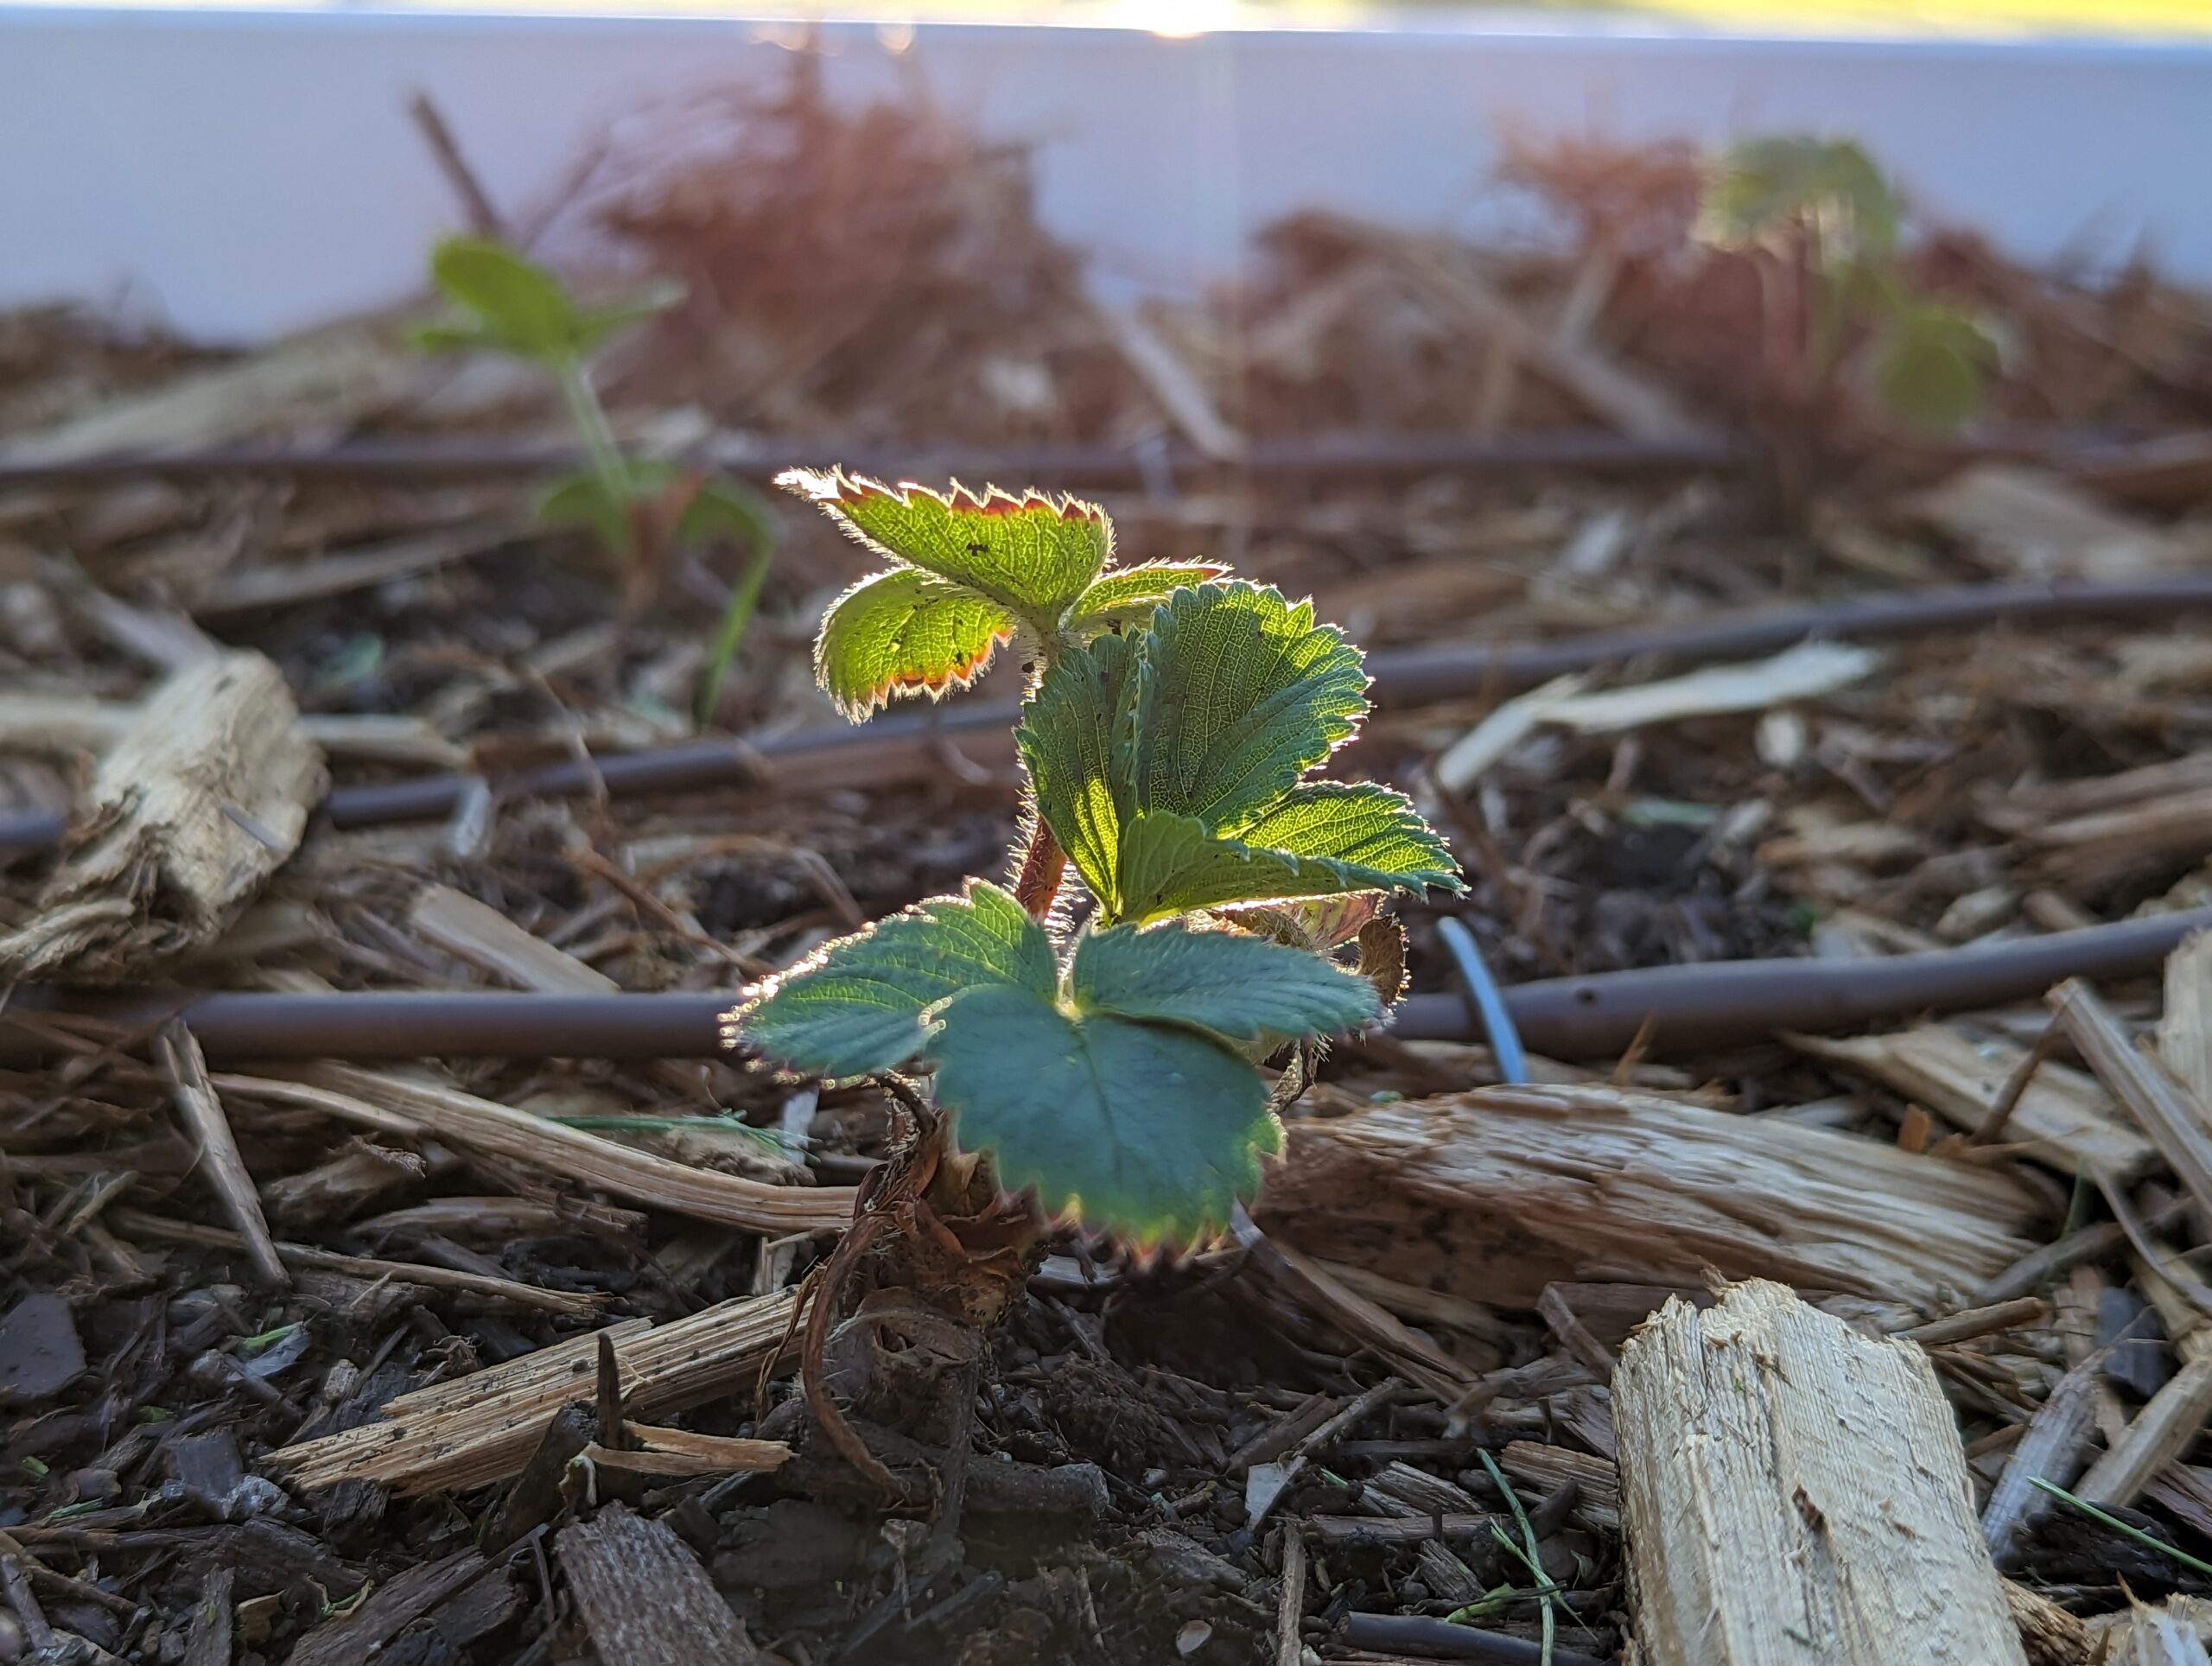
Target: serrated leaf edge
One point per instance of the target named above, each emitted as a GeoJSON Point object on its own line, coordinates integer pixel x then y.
{"type": "Point", "coordinates": [909, 688]}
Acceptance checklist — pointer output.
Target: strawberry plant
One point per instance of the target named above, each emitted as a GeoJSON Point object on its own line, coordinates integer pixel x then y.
{"type": "Point", "coordinates": [1111, 1069]}
{"type": "Point", "coordinates": [642, 510]}
{"type": "Point", "coordinates": [1824, 224]}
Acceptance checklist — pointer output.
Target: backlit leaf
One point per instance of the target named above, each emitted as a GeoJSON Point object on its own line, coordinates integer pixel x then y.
{"type": "Point", "coordinates": [517, 304]}
{"type": "Point", "coordinates": [1034, 554]}
{"type": "Point", "coordinates": [1154, 1131]}
{"type": "Point", "coordinates": [904, 632]}
{"type": "Point", "coordinates": [1171, 864]}
{"type": "Point", "coordinates": [1127, 596]}
{"type": "Point", "coordinates": [1240, 694]}
{"type": "Point", "coordinates": [865, 1002]}
{"type": "Point", "coordinates": [1073, 731]}
{"type": "Point", "coordinates": [1238, 987]}
{"type": "Point", "coordinates": [1766, 185]}
{"type": "Point", "coordinates": [1369, 826]}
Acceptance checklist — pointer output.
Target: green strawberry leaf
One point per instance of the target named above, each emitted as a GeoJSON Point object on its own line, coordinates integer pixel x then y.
{"type": "Point", "coordinates": [1931, 366]}
{"type": "Point", "coordinates": [1235, 986]}
{"type": "Point", "coordinates": [511, 304]}
{"type": "Point", "coordinates": [1073, 738]}
{"type": "Point", "coordinates": [1368, 826]}
{"type": "Point", "coordinates": [514, 303]}
{"type": "Point", "coordinates": [1765, 185]}
{"type": "Point", "coordinates": [1129, 595]}
{"type": "Point", "coordinates": [1032, 555]}
{"type": "Point", "coordinates": [1241, 693]}
{"type": "Point", "coordinates": [1171, 864]}
{"type": "Point", "coordinates": [865, 1002]}
{"type": "Point", "coordinates": [904, 632]}
{"type": "Point", "coordinates": [1151, 1130]}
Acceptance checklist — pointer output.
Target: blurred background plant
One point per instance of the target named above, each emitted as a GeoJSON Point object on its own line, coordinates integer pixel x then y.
{"type": "Point", "coordinates": [1843, 320]}
{"type": "Point", "coordinates": [643, 511]}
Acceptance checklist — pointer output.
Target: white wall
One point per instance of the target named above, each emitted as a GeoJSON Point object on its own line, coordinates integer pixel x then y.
{"type": "Point", "coordinates": [246, 173]}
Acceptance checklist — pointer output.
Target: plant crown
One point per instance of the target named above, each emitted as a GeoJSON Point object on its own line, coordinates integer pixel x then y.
{"type": "Point", "coordinates": [1166, 741]}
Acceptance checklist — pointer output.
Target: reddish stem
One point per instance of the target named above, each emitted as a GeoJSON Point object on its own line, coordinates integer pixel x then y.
{"type": "Point", "coordinates": [1042, 865]}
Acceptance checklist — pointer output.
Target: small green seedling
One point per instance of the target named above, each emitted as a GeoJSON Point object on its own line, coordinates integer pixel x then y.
{"type": "Point", "coordinates": [640, 509]}
{"type": "Point", "coordinates": [1821, 212]}
{"type": "Point", "coordinates": [1172, 723]}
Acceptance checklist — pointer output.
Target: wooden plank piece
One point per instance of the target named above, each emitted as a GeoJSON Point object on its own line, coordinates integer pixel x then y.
{"type": "Point", "coordinates": [1794, 1491]}
{"type": "Point", "coordinates": [644, 1597]}
{"type": "Point", "coordinates": [1494, 1194]}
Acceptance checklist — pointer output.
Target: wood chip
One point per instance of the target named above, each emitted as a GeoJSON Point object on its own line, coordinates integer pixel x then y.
{"type": "Point", "coordinates": [1804, 673]}
{"type": "Point", "coordinates": [411, 1106]}
{"type": "Point", "coordinates": [656, 1451]}
{"type": "Point", "coordinates": [225, 1170]}
{"type": "Point", "coordinates": [192, 809]}
{"type": "Point", "coordinates": [322, 378]}
{"type": "Point", "coordinates": [643, 1596]}
{"type": "Point", "coordinates": [482, 936]}
{"type": "Point", "coordinates": [484, 1285]}
{"type": "Point", "coordinates": [2065, 1111]}
{"type": "Point", "coordinates": [2055, 1448]}
{"type": "Point", "coordinates": [1545, 1468]}
{"type": "Point", "coordinates": [1494, 1194]}
{"type": "Point", "coordinates": [359, 1637]}
{"type": "Point", "coordinates": [1794, 1491]}
{"type": "Point", "coordinates": [40, 1352]}
{"type": "Point", "coordinates": [256, 589]}
{"type": "Point", "coordinates": [2167, 1110]}
{"type": "Point", "coordinates": [483, 1427]}
{"type": "Point", "coordinates": [2185, 1031]}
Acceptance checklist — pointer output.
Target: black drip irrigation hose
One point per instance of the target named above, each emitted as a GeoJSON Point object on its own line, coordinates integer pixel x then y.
{"type": "Point", "coordinates": [1078, 464]}
{"type": "Point", "coordinates": [1402, 678]}
{"type": "Point", "coordinates": [1676, 1009]}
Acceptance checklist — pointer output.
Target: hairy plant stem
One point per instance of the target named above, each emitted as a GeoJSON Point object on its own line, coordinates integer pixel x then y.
{"type": "Point", "coordinates": [1044, 864]}
{"type": "Point", "coordinates": [1042, 867]}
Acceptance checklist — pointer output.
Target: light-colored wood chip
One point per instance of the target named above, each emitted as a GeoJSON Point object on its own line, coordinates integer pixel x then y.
{"type": "Point", "coordinates": [254, 589]}
{"type": "Point", "coordinates": [472, 1430]}
{"type": "Point", "coordinates": [195, 806]}
{"type": "Point", "coordinates": [482, 936]}
{"type": "Point", "coordinates": [2165, 1110]}
{"type": "Point", "coordinates": [414, 1107]}
{"type": "Point", "coordinates": [656, 1451]}
{"type": "Point", "coordinates": [2063, 1110]}
{"type": "Point", "coordinates": [2028, 523]}
{"type": "Point", "coordinates": [2185, 1031]}
{"type": "Point", "coordinates": [1794, 1491]}
{"type": "Point", "coordinates": [201, 1111]}
{"type": "Point", "coordinates": [1493, 1194]}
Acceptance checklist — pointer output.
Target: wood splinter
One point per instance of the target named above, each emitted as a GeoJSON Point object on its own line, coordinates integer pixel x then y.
{"type": "Point", "coordinates": [1794, 1491]}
